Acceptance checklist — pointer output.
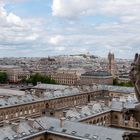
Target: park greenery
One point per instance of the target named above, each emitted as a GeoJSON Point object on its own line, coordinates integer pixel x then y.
{"type": "Point", "coordinates": [34, 79]}
{"type": "Point", "coordinates": [126, 84]}
{"type": "Point", "coordinates": [3, 78]}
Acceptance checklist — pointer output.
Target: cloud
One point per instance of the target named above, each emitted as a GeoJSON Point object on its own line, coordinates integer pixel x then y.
{"type": "Point", "coordinates": [13, 19]}
{"type": "Point", "coordinates": [71, 8]}
{"type": "Point", "coordinates": [9, 18]}
{"type": "Point", "coordinates": [125, 10]}
{"type": "Point", "coordinates": [119, 32]}
{"type": "Point", "coordinates": [59, 48]}
{"type": "Point", "coordinates": [75, 26]}
{"type": "Point", "coordinates": [56, 40]}
{"type": "Point", "coordinates": [15, 30]}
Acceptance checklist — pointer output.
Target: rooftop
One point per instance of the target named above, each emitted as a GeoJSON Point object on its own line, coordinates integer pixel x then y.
{"type": "Point", "coordinates": [80, 113]}
{"type": "Point", "coordinates": [50, 86]}
{"type": "Point", "coordinates": [48, 125]}
{"type": "Point", "coordinates": [11, 92]}
{"type": "Point", "coordinates": [96, 73]}
{"type": "Point", "coordinates": [53, 92]}
{"type": "Point", "coordinates": [9, 66]}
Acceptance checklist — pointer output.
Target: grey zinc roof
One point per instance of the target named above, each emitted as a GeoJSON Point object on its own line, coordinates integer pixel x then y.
{"type": "Point", "coordinates": [9, 92]}
{"type": "Point", "coordinates": [80, 130]}
{"type": "Point", "coordinates": [86, 111]}
{"type": "Point", "coordinates": [2, 102]}
{"type": "Point", "coordinates": [58, 92]}
{"type": "Point", "coordinates": [78, 115]}
{"type": "Point", "coordinates": [118, 88]}
{"type": "Point", "coordinates": [117, 105]}
{"type": "Point", "coordinates": [96, 73]}
{"type": "Point", "coordinates": [51, 86]}
{"type": "Point", "coordinates": [24, 129]}
{"type": "Point", "coordinates": [94, 87]}
{"type": "Point", "coordinates": [17, 100]}
{"type": "Point", "coordinates": [46, 125]}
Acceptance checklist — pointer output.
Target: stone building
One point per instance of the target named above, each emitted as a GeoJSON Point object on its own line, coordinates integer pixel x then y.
{"type": "Point", "coordinates": [65, 77]}
{"type": "Point", "coordinates": [15, 74]}
{"type": "Point", "coordinates": [98, 77]}
{"type": "Point", "coordinates": [51, 100]}
{"type": "Point", "coordinates": [46, 128]}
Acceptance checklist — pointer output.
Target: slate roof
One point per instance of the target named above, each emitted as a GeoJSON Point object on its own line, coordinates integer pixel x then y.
{"type": "Point", "coordinates": [54, 92]}
{"type": "Point", "coordinates": [97, 73]}
{"type": "Point", "coordinates": [70, 129]}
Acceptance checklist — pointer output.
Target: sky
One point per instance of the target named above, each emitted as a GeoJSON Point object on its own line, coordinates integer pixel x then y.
{"type": "Point", "coordinates": [41, 28]}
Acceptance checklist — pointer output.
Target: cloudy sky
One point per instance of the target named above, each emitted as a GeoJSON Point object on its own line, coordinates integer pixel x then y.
{"type": "Point", "coordinates": [52, 27]}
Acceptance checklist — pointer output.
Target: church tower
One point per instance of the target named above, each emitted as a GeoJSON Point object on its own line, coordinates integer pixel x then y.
{"type": "Point", "coordinates": [111, 64]}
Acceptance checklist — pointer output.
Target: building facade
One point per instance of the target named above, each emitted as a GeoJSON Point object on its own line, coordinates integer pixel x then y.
{"type": "Point", "coordinates": [65, 77]}
{"type": "Point", "coordinates": [96, 77]}
{"type": "Point", "coordinates": [15, 74]}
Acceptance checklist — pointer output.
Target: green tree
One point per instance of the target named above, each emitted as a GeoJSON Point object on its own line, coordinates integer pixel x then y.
{"type": "Point", "coordinates": [115, 81]}
{"type": "Point", "coordinates": [40, 78]}
{"type": "Point", "coordinates": [127, 84]}
{"type": "Point", "coordinates": [3, 77]}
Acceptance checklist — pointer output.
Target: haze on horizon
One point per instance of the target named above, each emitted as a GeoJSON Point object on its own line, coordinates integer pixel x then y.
{"type": "Point", "coordinates": [38, 28]}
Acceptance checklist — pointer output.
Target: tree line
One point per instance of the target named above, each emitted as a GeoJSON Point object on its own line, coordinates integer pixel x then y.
{"type": "Point", "coordinates": [34, 79]}
{"type": "Point", "coordinates": [126, 84]}
{"type": "Point", "coordinates": [3, 78]}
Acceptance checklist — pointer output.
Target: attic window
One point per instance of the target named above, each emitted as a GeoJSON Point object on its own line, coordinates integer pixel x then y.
{"type": "Point", "coordinates": [51, 128]}
{"type": "Point", "coordinates": [94, 137]}
{"type": "Point", "coordinates": [87, 135]}
{"type": "Point", "coordinates": [64, 130]}
{"type": "Point", "coordinates": [15, 136]}
{"type": "Point", "coordinates": [31, 131]}
{"type": "Point", "coordinates": [6, 138]}
{"type": "Point", "coordinates": [23, 134]}
{"type": "Point", "coordinates": [73, 132]}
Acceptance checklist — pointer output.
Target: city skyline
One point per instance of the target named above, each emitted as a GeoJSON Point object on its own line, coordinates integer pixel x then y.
{"type": "Point", "coordinates": [36, 28]}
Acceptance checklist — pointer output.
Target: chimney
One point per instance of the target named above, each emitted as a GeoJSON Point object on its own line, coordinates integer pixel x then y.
{"type": "Point", "coordinates": [90, 105]}
{"type": "Point", "coordinates": [78, 108]}
{"type": "Point", "coordinates": [38, 83]}
{"type": "Point", "coordinates": [22, 119]}
{"type": "Point", "coordinates": [123, 105]}
{"type": "Point", "coordinates": [31, 122]}
{"type": "Point", "coordinates": [6, 123]}
{"type": "Point", "coordinates": [25, 92]}
{"type": "Point", "coordinates": [62, 119]}
{"type": "Point", "coordinates": [15, 127]}
{"type": "Point", "coordinates": [110, 102]}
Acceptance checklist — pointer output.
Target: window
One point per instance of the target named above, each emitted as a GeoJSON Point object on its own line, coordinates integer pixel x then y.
{"type": "Point", "coordinates": [137, 124]}
{"type": "Point", "coordinates": [116, 117]}
{"type": "Point", "coordinates": [51, 113]}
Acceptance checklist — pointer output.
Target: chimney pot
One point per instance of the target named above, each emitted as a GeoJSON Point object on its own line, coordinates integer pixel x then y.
{"type": "Point", "coordinates": [62, 119]}
{"type": "Point", "coordinates": [15, 127]}
{"type": "Point", "coordinates": [6, 123]}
